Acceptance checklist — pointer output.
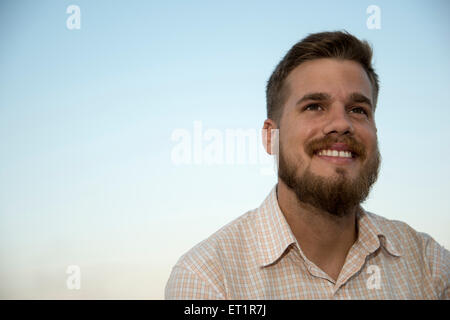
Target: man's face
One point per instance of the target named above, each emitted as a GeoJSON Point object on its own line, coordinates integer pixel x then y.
{"type": "Point", "coordinates": [328, 144]}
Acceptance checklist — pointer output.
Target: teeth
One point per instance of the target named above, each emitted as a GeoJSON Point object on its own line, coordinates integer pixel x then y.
{"type": "Point", "coordinates": [335, 153]}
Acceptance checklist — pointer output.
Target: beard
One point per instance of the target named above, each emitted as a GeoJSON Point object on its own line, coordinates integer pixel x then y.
{"type": "Point", "coordinates": [337, 195]}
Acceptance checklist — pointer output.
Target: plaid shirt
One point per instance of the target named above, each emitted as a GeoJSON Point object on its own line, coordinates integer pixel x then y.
{"type": "Point", "coordinates": [257, 256]}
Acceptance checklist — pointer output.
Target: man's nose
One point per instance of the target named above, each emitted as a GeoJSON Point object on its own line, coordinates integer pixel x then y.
{"type": "Point", "coordinates": [338, 121]}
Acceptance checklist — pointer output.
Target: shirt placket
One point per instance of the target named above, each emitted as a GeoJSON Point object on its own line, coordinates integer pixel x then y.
{"type": "Point", "coordinates": [316, 272]}
{"type": "Point", "coordinates": [354, 263]}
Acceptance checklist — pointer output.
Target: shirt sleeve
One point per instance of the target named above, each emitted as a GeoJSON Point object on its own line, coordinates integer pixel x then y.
{"type": "Point", "coordinates": [184, 284]}
{"type": "Point", "coordinates": [439, 261]}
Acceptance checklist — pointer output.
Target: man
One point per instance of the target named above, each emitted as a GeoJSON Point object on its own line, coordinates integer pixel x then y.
{"type": "Point", "coordinates": [310, 238]}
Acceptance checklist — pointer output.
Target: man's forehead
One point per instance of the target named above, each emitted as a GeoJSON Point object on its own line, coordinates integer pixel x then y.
{"type": "Point", "coordinates": [337, 78]}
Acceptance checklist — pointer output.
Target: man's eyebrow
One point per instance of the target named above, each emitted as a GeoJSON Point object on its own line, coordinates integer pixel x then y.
{"type": "Point", "coordinates": [316, 96]}
{"type": "Point", "coordinates": [360, 98]}
{"type": "Point", "coordinates": [321, 96]}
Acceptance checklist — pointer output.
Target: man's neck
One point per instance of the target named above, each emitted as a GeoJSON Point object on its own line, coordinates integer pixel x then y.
{"type": "Point", "coordinates": [324, 238]}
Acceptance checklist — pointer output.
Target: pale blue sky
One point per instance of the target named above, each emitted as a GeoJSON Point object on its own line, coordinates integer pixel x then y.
{"type": "Point", "coordinates": [86, 118]}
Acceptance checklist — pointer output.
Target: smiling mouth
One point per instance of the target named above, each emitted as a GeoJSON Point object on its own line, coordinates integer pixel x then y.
{"type": "Point", "coordinates": [337, 153]}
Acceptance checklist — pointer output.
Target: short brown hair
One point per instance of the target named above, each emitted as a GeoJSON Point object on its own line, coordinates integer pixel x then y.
{"type": "Point", "coordinates": [338, 44]}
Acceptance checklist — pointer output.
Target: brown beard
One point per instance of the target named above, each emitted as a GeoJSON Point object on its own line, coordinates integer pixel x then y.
{"type": "Point", "coordinates": [338, 195]}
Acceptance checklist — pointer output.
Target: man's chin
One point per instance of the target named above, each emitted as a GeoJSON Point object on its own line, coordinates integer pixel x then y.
{"type": "Point", "coordinates": [336, 193]}
{"type": "Point", "coordinates": [336, 175]}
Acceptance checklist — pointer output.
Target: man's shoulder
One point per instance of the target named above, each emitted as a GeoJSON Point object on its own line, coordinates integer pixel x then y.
{"type": "Point", "coordinates": [222, 245]}
{"type": "Point", "coordinates": [390, 226]}
{"type": "Point", "coordinates": [397, 231]}
{"type": "Point", "coordinates": [201, 271]}
{"type": "Point", "coordinates": [407, 238]}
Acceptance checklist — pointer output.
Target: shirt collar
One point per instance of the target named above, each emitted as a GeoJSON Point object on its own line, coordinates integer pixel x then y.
{"type": "Point", "coordinates": [273, 232]}
{"type": "Point", "coordinates": [275, 236]}
{"type": "Point", "coordinates": [371, 234]}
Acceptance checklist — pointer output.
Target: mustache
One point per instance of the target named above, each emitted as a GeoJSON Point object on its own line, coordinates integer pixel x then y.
{"type": "Point", "coordinates": [325, 143]}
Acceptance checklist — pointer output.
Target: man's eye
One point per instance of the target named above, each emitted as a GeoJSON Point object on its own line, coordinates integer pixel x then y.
{"type": "Point", "coordinates": [359, 110]}
{"type": "Point", "coordinates": [313, 106]}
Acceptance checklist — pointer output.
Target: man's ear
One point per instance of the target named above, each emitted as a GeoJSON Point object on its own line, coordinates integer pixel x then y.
{"type": "Point", "coordinates": [270, 136]}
